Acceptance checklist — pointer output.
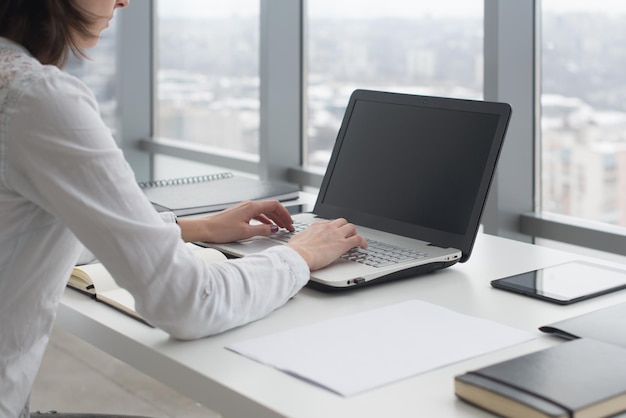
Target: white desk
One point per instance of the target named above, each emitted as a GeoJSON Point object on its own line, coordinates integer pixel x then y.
{"type": "Point", "coordinates": [238, 387]}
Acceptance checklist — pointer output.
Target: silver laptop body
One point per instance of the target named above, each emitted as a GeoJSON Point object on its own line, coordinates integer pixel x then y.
{"type": "Point", "coordinates": [411, 172]}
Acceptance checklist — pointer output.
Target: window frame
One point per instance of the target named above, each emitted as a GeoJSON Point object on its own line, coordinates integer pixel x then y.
{"type": "Point", "coordinates": [512, 74]}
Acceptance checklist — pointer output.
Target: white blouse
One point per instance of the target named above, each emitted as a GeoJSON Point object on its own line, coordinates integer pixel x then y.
{"type": "Point", "coordinates": [63, 181]}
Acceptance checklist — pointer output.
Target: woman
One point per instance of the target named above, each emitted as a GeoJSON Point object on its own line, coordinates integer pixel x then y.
{"type": "Point", "coordinates": [64, 181]}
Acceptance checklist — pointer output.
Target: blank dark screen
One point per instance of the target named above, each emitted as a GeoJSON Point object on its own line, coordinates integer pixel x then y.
{"type": "Point", "coordinates": [418, 165]}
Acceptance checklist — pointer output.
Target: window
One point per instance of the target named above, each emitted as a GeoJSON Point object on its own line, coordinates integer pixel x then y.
{"type": "Point", "coordinates": [207, 87]}
{"type": "Point", "coordinates": [303, 58]}
{"type": "Point", "coordinates": [583, 104]}
{"type": "Point", "coordinates": [431, 48]}
{"type": "Point", "coordinates": [99, 72]}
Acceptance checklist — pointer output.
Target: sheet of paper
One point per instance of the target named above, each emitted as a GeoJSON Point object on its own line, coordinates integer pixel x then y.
{"type": "Point", "coordinates": [356, 353]}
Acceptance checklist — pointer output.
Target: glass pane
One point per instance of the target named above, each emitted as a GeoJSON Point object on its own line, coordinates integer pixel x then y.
{"type": "Point", "coordinates": [583, 121]}
{"type": "Point", "coordinates": [430, 48]}
{"type": "Point", "coordinates": [99, 71]}
{"type": "Point", "coordinates": [208, 73]}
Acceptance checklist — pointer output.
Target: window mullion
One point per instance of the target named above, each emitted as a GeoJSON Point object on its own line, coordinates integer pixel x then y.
{"type": "Point", "coordinates": [281, 87]}
{"type": "Point", "coordinates": [135, 69]}
{"type": "Point", "coordinates": [510, 76]}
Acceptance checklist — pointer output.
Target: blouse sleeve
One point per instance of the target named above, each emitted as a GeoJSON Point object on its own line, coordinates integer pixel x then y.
{"type": "Point", "coordinates": [66, 161]}
{"type": "Point", "coordinates": [87, 257]}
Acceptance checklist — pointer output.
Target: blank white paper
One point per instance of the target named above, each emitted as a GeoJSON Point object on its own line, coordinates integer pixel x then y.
{"type": "Point", "coordinates": [356, 353]}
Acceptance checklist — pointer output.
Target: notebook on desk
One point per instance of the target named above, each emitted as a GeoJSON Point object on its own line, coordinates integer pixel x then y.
{"type": "Point", "coordinates": [412, 173]}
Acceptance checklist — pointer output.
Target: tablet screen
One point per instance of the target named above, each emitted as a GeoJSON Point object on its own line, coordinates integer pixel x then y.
{"type": "Point", "coordinates": [566, 283]}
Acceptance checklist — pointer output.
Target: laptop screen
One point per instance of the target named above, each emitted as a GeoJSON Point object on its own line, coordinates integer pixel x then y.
{"type": "Point", "coordinates": [415, 166]}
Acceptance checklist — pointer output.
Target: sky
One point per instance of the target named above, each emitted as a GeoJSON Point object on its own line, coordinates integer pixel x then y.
{"type": "Point", "coordinates": [374, 8]}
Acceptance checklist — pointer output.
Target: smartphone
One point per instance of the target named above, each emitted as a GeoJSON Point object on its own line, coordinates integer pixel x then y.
{"type": "Point", "coordinates": [565, 283]}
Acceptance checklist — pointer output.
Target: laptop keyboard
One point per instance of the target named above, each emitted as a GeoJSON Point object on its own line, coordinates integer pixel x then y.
{"type": "Point", "coordinates": [380, 254]}
{"type": "Point", "coordinates": [377, 254]}
{"type": "Point", "coordinates": [284, 235]}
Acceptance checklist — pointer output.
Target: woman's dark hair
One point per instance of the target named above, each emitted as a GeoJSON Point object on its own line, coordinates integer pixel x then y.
{"type": "Point", "coordinates": [46, 28]}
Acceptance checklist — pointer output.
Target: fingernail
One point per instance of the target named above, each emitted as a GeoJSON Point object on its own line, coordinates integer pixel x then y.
{"type": "Point", "coordinates": [274, 228]}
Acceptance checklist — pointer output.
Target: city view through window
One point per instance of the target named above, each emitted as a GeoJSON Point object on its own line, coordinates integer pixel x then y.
{"type": "Point", "coordinates": [208, 80]}
{"type": "Point", "coordinates": [583, 124]}
{"type": "Point", "coordinates": [208, 91]}
{"type": "Point", "coordinates": [433, 48]}
{"type": "Point", "coordinates": [98, 71]}
{"type": "Point", "coordinates": [208, 73]}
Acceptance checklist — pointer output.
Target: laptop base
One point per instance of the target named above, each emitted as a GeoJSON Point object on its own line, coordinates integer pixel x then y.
{"type": "Point", "coordinates": [399, 275]}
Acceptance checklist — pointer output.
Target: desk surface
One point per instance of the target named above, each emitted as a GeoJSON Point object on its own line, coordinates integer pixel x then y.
{"type": "Point", "coordinates": [238, 387]}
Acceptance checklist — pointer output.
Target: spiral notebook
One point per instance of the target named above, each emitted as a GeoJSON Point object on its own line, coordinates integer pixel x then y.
{"type": "Point", "coordinates": [213, 192]}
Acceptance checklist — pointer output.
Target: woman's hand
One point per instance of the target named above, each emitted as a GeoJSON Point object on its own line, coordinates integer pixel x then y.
{"type": "Point", "coordinates": [233, 224]}
{"type": "Point", "coordinates": [319, 245]}
{"type": "Point", "coordinates": [323, 242]}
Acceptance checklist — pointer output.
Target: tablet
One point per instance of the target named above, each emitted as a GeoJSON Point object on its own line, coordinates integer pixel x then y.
{"type": "Point", "coordinates": [565, 283]}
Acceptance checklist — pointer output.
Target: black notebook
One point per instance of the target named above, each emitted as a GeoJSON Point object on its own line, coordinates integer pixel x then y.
{"type": "Point", "coordinates": [608, 325]}
{"type": "Point", "coordinates": [580, 378]}
{"type": "Point", "coordinates": [213, 192]}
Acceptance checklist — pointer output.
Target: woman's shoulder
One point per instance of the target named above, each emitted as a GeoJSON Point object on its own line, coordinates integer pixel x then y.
{"type": "Point", "coordinates": [19, 71]}
{"type": "Point", "coordinates": [16, 67]}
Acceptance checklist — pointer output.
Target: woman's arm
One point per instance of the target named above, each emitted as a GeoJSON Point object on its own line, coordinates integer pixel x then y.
{"type": "Point", "coordinates": [64, 160]}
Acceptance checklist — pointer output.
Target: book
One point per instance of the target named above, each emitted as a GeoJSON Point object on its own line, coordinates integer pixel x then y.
{"type": "Point", "coordinates": [213, 192]}
{"type": "Point", "coordinates": [95, 281]}
{"type": "Point", "coordinates": [605, 325]}
{"type": "Point", "coordinates": [579, 378]}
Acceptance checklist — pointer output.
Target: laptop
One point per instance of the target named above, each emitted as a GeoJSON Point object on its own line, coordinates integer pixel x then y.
{"type": "Point", "coordinates": [412, 173]}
